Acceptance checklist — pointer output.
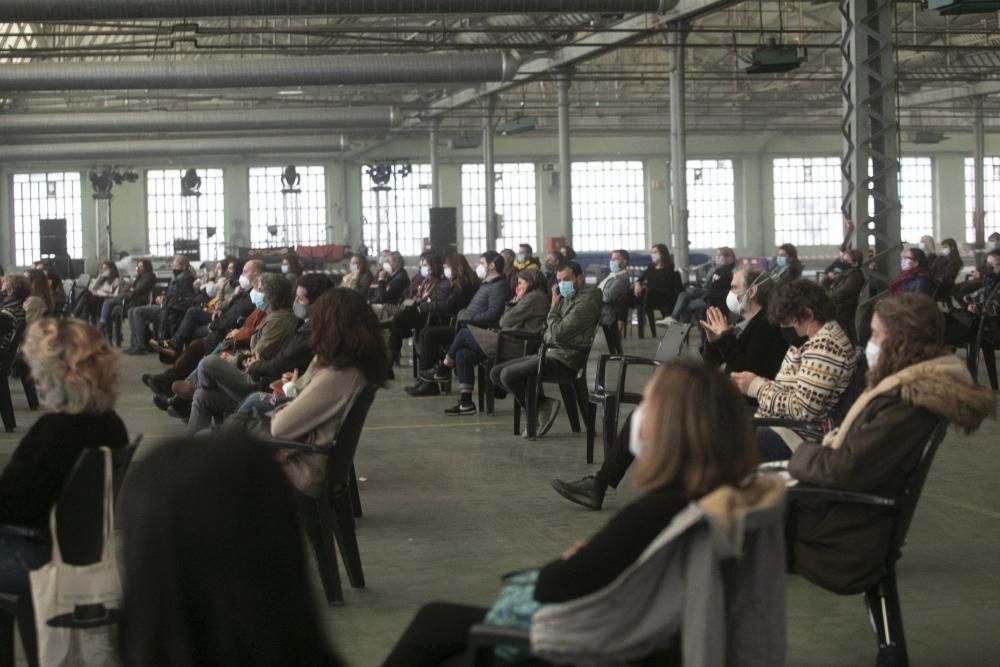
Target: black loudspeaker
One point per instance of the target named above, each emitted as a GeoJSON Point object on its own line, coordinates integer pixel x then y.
{"type": "Point", "coordinates": [52, 237]}
{"type": "Point", "coordinates": [444, 232]}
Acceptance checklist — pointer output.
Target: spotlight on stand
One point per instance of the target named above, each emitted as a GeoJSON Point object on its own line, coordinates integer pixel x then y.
{"type": "Point", "coordinates": [380, 173]}
{"type": "Point", "coordinates": [405, 170]}
{"type": "Point", "coordinates": [290, 180]}
{"type": "Point", "coordinates": [102, 181]}
{"type": "Point", "coordinates": [190, 184]}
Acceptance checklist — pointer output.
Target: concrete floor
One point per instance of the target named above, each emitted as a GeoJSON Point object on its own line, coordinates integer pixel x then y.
{"type": "Point", "coordinates": [452, 503]}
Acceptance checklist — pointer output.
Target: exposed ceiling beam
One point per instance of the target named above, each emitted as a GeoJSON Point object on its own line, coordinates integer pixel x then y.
{"type": "Point", "coordinates": [949, 94]}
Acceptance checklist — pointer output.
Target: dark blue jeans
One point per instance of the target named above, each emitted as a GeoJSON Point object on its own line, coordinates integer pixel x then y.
{"type": "Point", "coordinates": [194, 325]}
{"type": "Point", "coordinates": [18, 555]}
{"type": "Point", "coordinates": [466, 353]}
{"type": "Point", "coordinates": [771, 446]}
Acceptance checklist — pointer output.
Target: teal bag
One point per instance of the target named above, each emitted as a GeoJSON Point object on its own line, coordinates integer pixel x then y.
{"type": "Point", "coordinates": [514, 608]}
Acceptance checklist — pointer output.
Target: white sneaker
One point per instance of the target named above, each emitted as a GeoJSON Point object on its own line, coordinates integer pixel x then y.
{"type": "Point", "coordinates": [667, 322]}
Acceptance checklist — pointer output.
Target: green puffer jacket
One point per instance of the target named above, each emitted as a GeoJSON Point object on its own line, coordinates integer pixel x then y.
{"type": "Point", "coordinates": [574, 322]}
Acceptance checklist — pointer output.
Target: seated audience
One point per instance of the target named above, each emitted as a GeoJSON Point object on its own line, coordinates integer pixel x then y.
{"type": "Point", "coordinates": [525, 258]}
{"type": "Point", "coordinates": [391, 284]}
{"type": "Point", "coordinates": [551, 267]}
{"type": "Point", "coordinates": [962, 326]}
{"type": "Point", "coordinates": [946, 265]}
{"type": "Point", "coordinates": [914, 276]}
{"type": "Point", "coordinates": [574, 313]}
{"type": "Point", "coordinates": [223, 381]}
{"type": "Point", "coordinates": [568, 253]}
{"type": "Point", "coordinates": [104, 286]}
{"type": "Point", "coordinates": [484, 309]}
{"type": "Point", "coordinates": [912, 385]}
{"type": "Point", "coordinates": [693, 302]}
{"type": "Point", "coordinates": [350, 356]}
{"type": "Point", "coordinates": [659, 284]}
{"type": "Point", "coordinates": [58, 292]}
{"type": "Point", "coordinates": [168, 310]}
{"type": "Point", "coordinates": [471, 345]}
{"type": "Point", "coordinates": [359, 277]}
{"type": "Point", "coordinates": [753, 345]}
{"type": "Point", "coordinates": [928, 246]}
{"type": "Point", "coordinates": [615, 293]}
{"type": "Point", "coordinates": [787, 266]}
{"type": "Point", "coordinates": [39, 302]}
{"type": "Point", "coordinates": [843, 283]}
{"type": "Point", "coordinates": [15, 290]}
{"type": "Point", "coordinates": [291, 268]}
{"type": "Point", "coordinates": [138, 292]}
{"type": "Point", "coordinates": [509, 272]}
{"type": "Point", "coordinates": [432, 295]}
{"type": "Point", "coordinates": [692, 438]}
{"type": "Point", "coordinates": [76, 373]}
{"type": "Point", "coordinates": [214, 567]}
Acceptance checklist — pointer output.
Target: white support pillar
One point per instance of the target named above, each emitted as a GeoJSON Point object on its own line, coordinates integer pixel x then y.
{"type": "Point", "coordinates": [490, 174]}
{"type": "Point", "coordinates": [564, 81]}
{"type": "Point", "coordinates": [678, 143]}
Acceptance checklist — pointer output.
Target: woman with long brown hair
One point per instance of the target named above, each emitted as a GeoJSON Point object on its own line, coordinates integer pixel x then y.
{"type": "Point", "coordinates": [350, 356]}
{"type": "Point", "coordinates": [39, 302]}
{"type": "Point", "coordinates": [691, 435]}
{"type": "Point", "coordinates": [913, 384]}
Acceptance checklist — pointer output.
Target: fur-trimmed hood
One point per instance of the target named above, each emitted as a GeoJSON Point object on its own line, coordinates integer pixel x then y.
{"type": "Point", "coordinates": [941, 385]}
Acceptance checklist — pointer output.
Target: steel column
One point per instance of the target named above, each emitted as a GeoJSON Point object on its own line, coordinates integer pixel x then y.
{"type": "Point", "coordinates": [979, 214]}
{"type": "Point", "coordinates": [564, 81]}
{"type": "Point", "coordinates": [678, 143]}
{"type": "Point", "coordinates": [489, 174]}
{"type": "Point", "coordinates": [870, 163]}
{"type": "Point", "coordinates": [435, 174]}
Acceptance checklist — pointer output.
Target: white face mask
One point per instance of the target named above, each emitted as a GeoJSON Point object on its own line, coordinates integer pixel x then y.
{"type": "Point", "coordinates": [655, 257]}
{"type": "Point", "coordinates": [106, 275]}
{"type": "Point", "coordinates": [211, 289]}
{"type": "Point", "coordinates": [945, 251]}
{"type": "Point", "coordinates": [634, 441]}
{"type": "Point", "coordinates": [244, 282]}
{"type": "Point", "coordinates": [481, 272]}
{"type": "Point", "coordinates": [906, 264]}
{"type": "Point", "coordinates": [387, 267]}
{"type": "Point", "coordinates": [734, 303]}
{"type": "Point", "coordinates": [872, 352]}
{"type": "Point", "coordinates": [448, 273]}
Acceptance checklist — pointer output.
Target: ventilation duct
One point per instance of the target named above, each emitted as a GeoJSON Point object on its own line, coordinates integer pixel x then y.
{"type": "Point", "coordinates": [250, 73]}
{"type": "Point", "coordinates": [171, 148]}
{"type": "Point", "coordinates": [137, 122]}
{"type": "Point", "coordinates": [87, 10]}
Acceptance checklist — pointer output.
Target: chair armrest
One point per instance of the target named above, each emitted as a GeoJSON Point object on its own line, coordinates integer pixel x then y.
{"type": "Point", "coordinates": [483, 635]}
{"type": "Point", "coordinates": [808, 431]}
{"type": "Point", "coordinates": [493, 324]}
{"type": "Point", "coordinates": [564, 346]}
{"type": "Point", "coordinates": [515, 334]}
{"type": "Point", "coordinates": [801, 492]}
{"type": "Point", "coordinates": [300, 447]}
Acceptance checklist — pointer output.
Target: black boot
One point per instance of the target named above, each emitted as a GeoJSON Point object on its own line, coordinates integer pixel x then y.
{"type": "Point", "coordinates": [588, 491]}
{"type": "Point", "coordinates": [423, 389]}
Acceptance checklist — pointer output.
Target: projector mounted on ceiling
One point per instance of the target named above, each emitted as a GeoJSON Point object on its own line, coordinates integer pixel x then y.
{"type": "Point", "coordinates": [465, 141]}
{"type": "Point", "coordinates": [772, 58]}
{"type": "Point", "coordinates": [519, 124]}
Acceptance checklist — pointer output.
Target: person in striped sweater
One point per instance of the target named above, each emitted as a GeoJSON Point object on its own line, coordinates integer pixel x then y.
{"type": "Point", "coordinates": [817, 368]}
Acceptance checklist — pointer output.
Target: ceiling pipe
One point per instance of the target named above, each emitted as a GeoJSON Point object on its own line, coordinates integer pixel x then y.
{"type": "Point", "coordinates": [246, 73]}
{"type": "Point", "coordinates": [169, 148]}
{"type": "Point", "coordinates": [86, 10]}
{"type": "Point", "coordinates": [135, 122]}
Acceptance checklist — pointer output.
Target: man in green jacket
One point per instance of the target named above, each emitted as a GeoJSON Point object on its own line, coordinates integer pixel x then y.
{"type": "Point", "coordinates": [573, 318]}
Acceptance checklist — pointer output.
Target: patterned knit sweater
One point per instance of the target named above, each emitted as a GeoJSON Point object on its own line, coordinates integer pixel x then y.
{"type": "Point", "coordinates": [811, 378]}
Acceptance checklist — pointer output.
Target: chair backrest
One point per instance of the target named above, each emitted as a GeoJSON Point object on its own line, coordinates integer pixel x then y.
{"type": "Point", "coordinates": [511, 347]}
{"type": "Point", "coordinates": [80, 510]}
{"type": "Point", "coordinates": [672, 343]}
{"type": "Point", "coordinates": [10, 354]}
{"type": "Point", "coordinates": [906, 503]}
{"type": "Point", "coordinates": [341, 457]}
{"type": "Point", "coordinates": [854, 389]}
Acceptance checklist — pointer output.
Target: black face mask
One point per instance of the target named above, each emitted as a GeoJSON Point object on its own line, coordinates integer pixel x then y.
{"type": "Point", "coordinates": [792, 338]}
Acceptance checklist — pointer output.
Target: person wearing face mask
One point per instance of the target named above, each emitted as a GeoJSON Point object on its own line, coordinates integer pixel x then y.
{"type": "Point", "coordinates": [574, 315]}
{"type": "Point", "coordinates": [359, 276]}
{"type": "Point", "coordinates": [694, 445]}
{"type": "Point", "coordinates": [787, 266]}
{"type": "Point", "coordinates": [12, 317]}
{"type": "Point", "coordinates": [551, 267]}
{"type": "Point", "coordinates": [104, 286]}
{"type": "Point", "coordinates": [615, 291]}
{"type": "Point", "coordinates": [913, 276]}
{"type": "Point", "coordinates": [913, 384]}
{"type": "Point", "coordinates": [509, 272]}
{"type": "Point", "coordinates": [843, 283]}
{"type": "Point", "coordinates": [818, 366]}
{"type": "Point", "coordinates": [946, 265]}
{"type": "Point", "coordinates": [167, 312]}
{"type": "Point", "coordinates": [223, 380]}
{"type": "Point", "coordinates": [525, 258]}
{"type": "Point", "coordinates": [291, 268]}
{"type": "Point", "coordinates": [658, 286]}
{"type": "Point", "coordinates": [928, 246]}
{"type": "Point", "coordinates": [753, 345]}
{"type": "Point", "coordinates": [431, 296]}
{"type": "Point", "coordinates": [392, 285]}
{"type": "Point", "coordinates": [693, 302]}
{"type": "Point", "coordinates": [961, 326]}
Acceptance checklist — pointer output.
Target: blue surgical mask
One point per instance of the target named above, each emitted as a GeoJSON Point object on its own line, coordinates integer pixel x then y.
{"type": "Point", "coordinates": [355, 268]}
{"type": "Point", "coordinates": [425, 271]}
{"type": "Point", "coordinates": [284, 268]}
{"type": "Point", "coordinates": [257, 297]}
{"type": "Point", "coordinates": [520, 258]}
{"type": "Point", "coordinates": [613, 266]}
{"type": "Point", "coordinates": [781, 261]}
{"type": "Point", "coordinates": [567, 289]}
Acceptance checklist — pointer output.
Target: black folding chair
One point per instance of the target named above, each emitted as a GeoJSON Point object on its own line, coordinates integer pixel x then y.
{"type": "Point", "coordinates": [331, 515]}
{"type": "Point", "coordinates": [573, 390]}
{"type": "Point", "coordinates": [882, 598]}
{"type": "Point", "coordinates": [511, 344]}
{"type": "Point", "coordinates": [12, 364]}
{"type": "Point", "coordinates": [611, 400]}
{"type": "Point", "coordinates": [985, 343]}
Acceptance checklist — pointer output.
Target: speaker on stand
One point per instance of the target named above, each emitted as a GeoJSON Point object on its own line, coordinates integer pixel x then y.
{"type": "Point", "coordinates": [444, 230]}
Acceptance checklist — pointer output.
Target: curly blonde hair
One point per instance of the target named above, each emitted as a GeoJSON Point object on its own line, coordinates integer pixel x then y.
{"type": "Point", "coordinates": [74, 367]}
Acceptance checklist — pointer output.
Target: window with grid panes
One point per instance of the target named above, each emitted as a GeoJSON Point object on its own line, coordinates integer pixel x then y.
{"type": "Point", "coordinates": [45, 196]}
{"type": "Point", "coordinates": [711, 196]}
{"type": "Point", "coordinates": [609, 206]}
{"type": "Point", "coordinates": [401, 214]}
{"type": "Point", "coordinates": [991, 196]}
{"type": "Point", "coordinates": [515, 202]}
{"type": "Point", "coordinates": [916, 198]}
{"type": "Point", "coordinates": [170, 216]}
{"type": "Point", "coordinates": [807, 201]}
{"type": "Point", "coordinates": [271, 209]}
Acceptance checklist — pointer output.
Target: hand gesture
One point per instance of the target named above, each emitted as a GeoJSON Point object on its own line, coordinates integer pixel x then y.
{"type": "Point", "coordinates": [572, 551]}
{"type": "Point", "coordinates": [637, 289]}
{"type": "Point", "coordinates": [714, 324]}
{"type": "Point", "coordinates": [278, 386]}
{"type": "Point", "coordinates": [555, 295]}
{"type": "Point", "coordinates": [743, 381]}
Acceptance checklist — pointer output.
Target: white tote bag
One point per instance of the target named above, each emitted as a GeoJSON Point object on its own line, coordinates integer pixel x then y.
{"type": "Point", "coordinates": [78, 607]}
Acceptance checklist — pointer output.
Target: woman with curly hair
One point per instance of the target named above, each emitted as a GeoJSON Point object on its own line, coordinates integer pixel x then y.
{"type": "Point", "coordinates": [350, 356]}
{"type": "Point", "coordinates": [76, 373]}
